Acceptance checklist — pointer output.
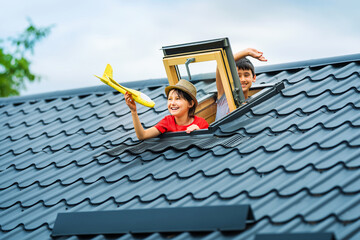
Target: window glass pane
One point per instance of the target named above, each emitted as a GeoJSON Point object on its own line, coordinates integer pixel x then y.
{"type": "Point", "coordinates": [197, 68]}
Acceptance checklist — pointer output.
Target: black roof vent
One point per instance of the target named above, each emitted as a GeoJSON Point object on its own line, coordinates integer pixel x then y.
{"type": "Point", "coordinates": [181, 219]}
{"type": "Point", "coordinates": [296, 236]}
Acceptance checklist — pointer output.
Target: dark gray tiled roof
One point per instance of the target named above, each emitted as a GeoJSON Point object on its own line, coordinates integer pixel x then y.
{"type": "Point", "coordinates": [294, 158]}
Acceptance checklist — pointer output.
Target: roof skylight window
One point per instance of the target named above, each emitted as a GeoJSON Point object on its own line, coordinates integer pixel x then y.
{"type": "Point", "coordinates": [180, 60]}
{"type": "Point", "coordinates": [218, 50]}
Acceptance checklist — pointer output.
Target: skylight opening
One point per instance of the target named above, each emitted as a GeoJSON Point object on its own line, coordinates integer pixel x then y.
{"type": "Point", "coordinates": [198, 56]}
{"type": "Point", "coordinates": [185, 60]}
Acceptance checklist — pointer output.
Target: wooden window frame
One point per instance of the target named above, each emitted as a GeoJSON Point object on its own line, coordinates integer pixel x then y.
{"type": "Point", "coordinates": [218, 55]}
{"type": "Point", "coordinates": [218, 50]}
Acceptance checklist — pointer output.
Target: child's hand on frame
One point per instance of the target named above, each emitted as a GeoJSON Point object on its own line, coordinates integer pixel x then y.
{"type": "Point", "coordinates": [192, 128]}
{"type": "Point", "coordinates": [130, 102]}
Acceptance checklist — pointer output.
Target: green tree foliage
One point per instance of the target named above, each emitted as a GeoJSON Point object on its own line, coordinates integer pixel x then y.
{"type": "Point", "coordinates": [14, 63]}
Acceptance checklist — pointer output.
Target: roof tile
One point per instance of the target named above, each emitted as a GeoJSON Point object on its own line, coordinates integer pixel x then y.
{"type": "Point", "coordinates": [294, 158]}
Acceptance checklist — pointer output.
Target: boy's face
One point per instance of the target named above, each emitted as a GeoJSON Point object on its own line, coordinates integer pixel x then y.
{"type": "Point", "coordinates": [178, 106]}
{"type": "Point", "coordinates": [246, 79]}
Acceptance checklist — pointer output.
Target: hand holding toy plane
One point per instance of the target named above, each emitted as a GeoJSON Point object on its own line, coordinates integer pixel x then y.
{"type": "Point", "coordinates": [139, 97]}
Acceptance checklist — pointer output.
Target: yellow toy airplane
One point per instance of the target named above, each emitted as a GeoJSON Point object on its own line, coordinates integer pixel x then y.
{"type": "Point", "coordinates": [139, 97]}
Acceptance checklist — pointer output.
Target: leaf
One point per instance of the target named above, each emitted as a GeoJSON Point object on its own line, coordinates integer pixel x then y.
{"type": "Point", "coordinates": [14, 66]}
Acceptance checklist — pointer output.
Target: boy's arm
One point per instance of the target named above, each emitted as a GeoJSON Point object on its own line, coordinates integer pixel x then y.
{"type": "Point", "coordinates": [244, 53]}
{"type": "Point", "coordinates": [219, 85]}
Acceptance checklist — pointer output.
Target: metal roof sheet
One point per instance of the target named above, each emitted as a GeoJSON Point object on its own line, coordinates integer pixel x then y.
{"type": "Point", "coordinates": [294, 158]}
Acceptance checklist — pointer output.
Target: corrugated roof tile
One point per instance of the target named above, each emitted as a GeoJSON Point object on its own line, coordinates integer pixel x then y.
{"type": "Point", "coordinates": [294, 158]}
{"type": "Point", "coordinates": [314, 88]}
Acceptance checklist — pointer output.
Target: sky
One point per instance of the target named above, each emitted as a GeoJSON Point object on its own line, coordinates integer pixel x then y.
{"type": "Point", "coordinates": [89, 34]}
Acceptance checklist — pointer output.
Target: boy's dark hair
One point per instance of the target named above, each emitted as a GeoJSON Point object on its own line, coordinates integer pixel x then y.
{"type": "Point", "coordinates": [187, 97]}
{"type": "Point", "coordinates": [245, 64]}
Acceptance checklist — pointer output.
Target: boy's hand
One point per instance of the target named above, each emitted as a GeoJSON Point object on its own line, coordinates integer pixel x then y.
{"type": "Point", "coordinates": [130, 102]}
{"type": "Point", "coordinates": [192, 128]}
{"type": "Point", "coordinates": [256, 54]}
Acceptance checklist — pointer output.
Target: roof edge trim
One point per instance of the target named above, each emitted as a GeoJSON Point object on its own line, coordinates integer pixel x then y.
{"type": "Point", "coordinates": [80, 91]}
{"type": "Point", "coordinates": [99, 89]}
{"type": "Point", "coordinates": [308, 63]}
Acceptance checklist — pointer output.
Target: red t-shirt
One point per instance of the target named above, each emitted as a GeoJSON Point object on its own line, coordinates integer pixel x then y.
{"type": "Point", "coordinates": [167, 124]}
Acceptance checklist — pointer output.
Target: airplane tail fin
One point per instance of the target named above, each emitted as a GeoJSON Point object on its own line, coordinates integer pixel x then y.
{"type": "Point", "coordinates": [108, 72]}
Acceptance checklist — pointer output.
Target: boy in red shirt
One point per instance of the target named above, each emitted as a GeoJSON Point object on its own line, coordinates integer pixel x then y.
{"type": "Point", "coordinates": [181, 105]}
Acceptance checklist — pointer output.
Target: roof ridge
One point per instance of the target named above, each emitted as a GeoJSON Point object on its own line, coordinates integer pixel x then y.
{"type": "Point", "coordinates": [82, 91]}
{"type": "Point", "coordinates": [163, 81]}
